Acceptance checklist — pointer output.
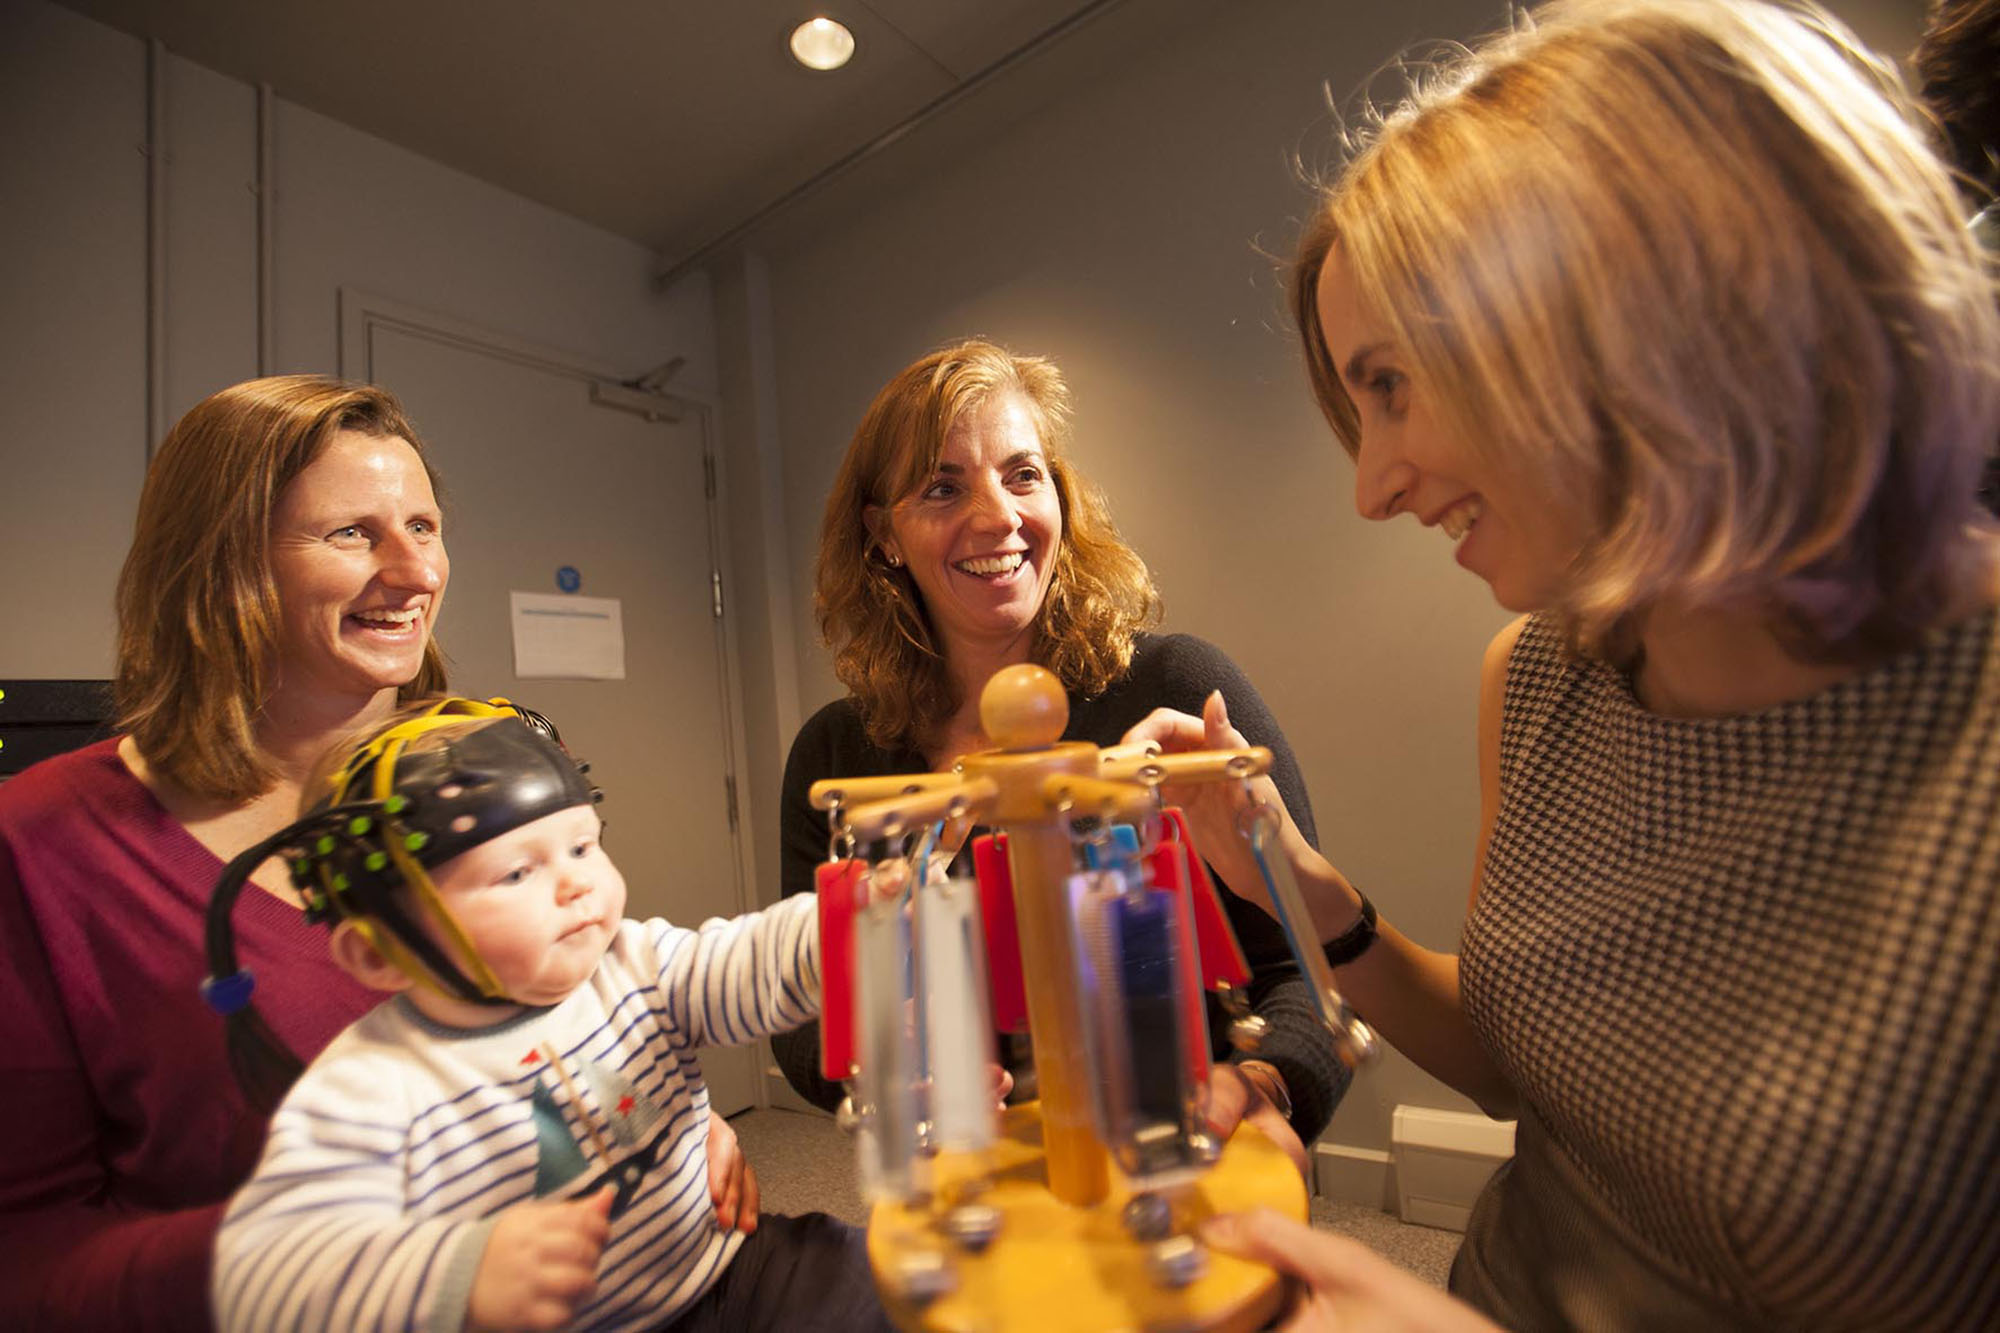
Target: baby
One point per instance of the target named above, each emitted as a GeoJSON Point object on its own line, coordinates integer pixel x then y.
{"type": "Point", "coordinates": [516, 1139]}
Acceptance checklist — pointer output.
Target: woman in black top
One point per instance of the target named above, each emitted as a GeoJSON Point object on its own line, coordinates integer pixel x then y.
{"type": "Point", "coordinates": [958, 539]}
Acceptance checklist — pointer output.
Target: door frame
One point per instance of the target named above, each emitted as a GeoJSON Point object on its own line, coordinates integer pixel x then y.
{"type": "Point", "coordinates": [363, 312]}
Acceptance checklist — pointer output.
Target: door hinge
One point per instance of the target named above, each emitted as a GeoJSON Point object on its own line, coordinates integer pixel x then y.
{"type": "Point", "coordinates": [715, 586]}
{"type": "Point", "coordinates": [729, 797]}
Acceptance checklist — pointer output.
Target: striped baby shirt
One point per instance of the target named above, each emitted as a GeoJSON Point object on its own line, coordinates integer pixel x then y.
{"type": "Point", "coordinates": [389, 1162]}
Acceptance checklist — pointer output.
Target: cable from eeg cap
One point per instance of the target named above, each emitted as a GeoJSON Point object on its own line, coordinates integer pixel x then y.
{"type": "Point", "coordinates": [264, 1067]}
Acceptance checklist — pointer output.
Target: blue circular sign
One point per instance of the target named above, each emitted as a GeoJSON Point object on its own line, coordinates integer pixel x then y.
{"type": "Point", "coordinates": [568, 579]}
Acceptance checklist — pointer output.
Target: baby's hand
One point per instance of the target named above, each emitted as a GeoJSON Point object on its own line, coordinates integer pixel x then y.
{"type": "Point", "coordinates": [540, 1263]}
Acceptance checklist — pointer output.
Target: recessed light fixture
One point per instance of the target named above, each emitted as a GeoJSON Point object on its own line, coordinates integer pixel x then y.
{"type": "Point", "coordinates": [822, 44]}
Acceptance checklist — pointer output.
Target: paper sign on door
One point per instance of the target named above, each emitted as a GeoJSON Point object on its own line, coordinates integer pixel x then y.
{"type": "Point", "coordinates": [567, 637]}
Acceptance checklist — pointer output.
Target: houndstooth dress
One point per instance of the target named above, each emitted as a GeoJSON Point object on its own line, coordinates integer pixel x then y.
{"type": "Point", "coordinates": [1745, 973]}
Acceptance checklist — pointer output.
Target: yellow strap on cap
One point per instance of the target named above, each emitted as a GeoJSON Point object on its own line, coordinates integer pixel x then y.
{"type": "Point", "coordinates": [383, 751]}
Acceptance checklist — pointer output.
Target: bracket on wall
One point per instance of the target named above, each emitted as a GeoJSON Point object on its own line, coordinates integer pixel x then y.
{"type": "Point", "coordinates": [363, 313]}
{"type": "Point", "coordinates": [652, 406]}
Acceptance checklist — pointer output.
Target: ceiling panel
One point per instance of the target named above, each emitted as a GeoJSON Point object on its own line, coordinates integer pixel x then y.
{"type": "Point", "coordinates": [667, 121]}
{"type": "Point", "coordinates": [967, 35]}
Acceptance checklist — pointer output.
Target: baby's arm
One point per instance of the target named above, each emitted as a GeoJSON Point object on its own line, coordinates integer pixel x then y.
{"type": "Point", "coordinates": [733, 981]}
{"type": "Point", "coordinates": [319, 1238]}
{"type": "Point", "coordinates": [540, 1263]}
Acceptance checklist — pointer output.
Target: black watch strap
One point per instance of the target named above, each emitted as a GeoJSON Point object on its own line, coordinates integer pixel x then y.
{"type": "Point", "coordinates": [1351, 943]}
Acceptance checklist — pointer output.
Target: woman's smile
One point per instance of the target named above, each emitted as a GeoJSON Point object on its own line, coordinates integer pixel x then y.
{"type": "Point", "coordinates": [995, 568]}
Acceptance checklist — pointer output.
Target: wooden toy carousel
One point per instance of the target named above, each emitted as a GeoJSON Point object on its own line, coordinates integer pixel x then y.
{"type": "Point", "coordinates": [1091, 924]}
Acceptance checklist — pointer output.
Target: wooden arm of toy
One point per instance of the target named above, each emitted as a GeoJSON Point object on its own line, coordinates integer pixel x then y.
{"type": "Point", "coordinates": [1127, 755]}
{"type": "Point", "coordinates": [1097, 796]}
{"type": "Point", "coordinates": [851, 792]}
{"type": "Point", "coordinates": [899, 813]}
{"type": "Point", "coordinates": [1130, 763]}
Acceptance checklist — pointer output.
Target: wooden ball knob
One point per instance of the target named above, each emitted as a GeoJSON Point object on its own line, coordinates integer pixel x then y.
{"type": "Point", "coordinates": [1023, 707]}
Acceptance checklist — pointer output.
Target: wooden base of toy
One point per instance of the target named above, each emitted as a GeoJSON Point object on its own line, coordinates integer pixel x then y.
{"type": "Point", "coordinates": [1053, 1267]}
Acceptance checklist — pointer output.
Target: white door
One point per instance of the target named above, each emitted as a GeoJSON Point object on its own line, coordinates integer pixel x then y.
{"type": "Point", "coordinates": [537, 477]}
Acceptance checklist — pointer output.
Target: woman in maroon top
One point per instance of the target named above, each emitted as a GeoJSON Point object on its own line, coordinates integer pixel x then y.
{"type": "Point", "coordinates": [286, 572]}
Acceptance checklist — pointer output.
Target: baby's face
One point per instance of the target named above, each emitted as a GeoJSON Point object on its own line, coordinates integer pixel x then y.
{"type": "Point", "coordinates": [540, 903]}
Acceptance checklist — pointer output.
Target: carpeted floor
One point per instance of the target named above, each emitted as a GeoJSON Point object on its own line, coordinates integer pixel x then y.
{"type": "Point", "coordinates": [805, 1164]}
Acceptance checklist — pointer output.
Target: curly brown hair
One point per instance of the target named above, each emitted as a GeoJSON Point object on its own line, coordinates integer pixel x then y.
{"type": "Point", "coordinates": [197, 608]}
{"type": "Point", "coordinates": [871, 614]}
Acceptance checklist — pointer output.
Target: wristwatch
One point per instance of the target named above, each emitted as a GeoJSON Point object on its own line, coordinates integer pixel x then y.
{"type": "Point", "coordinates": [1272, 1085]}
{"type": "Point", "coordinates": [1351, 943]}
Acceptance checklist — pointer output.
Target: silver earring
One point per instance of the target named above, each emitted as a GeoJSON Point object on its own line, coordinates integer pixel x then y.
{"type": "Point", "coordinates": [895, 561]}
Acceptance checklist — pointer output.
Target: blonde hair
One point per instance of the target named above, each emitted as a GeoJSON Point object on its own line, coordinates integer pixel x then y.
{"type": "Point", "coordinates": [871, 614]}
{"type": "Point", "coordinates": [1692, 265]}
{"type": "Point", "coordinates": [198, 611]}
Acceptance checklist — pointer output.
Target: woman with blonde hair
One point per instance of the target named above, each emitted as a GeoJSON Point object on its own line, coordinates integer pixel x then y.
{"type": "Point", "coordinates": [959, 539]}
{"type": "Point", "coordinates": [1663, 313]}
{"type": "Point", "coordinates": [286, 572]}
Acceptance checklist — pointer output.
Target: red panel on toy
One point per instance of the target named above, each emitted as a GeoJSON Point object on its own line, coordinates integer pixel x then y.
{"type": "Point", "coordinates": [1003, 937]}
{"type": "Point", "coordinates": [1221, 956]}
{"type": "Point", "coordinates": [841, 889]}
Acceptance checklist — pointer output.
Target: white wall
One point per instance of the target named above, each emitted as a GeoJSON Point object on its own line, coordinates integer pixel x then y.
{"type": "Point", "coordinates": [1128, 230]}
{"type": "Point", "coordinates": [72, 344]}
{"type": "Point", "coordinates": [349, 210]}
{"type": "Point", "coordinates": [762, 596]}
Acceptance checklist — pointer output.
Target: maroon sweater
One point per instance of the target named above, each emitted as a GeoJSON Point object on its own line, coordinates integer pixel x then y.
{"type": "Point", "coordinates": [123, 1132]}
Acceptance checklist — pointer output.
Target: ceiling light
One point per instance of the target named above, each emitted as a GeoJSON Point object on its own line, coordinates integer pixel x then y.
{"type": "Point", "coordinates": [822, 44]}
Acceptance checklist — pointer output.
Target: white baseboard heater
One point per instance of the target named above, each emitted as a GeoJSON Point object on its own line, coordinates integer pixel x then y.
{"type": "Point", "coordinates": [1442, 1159]}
